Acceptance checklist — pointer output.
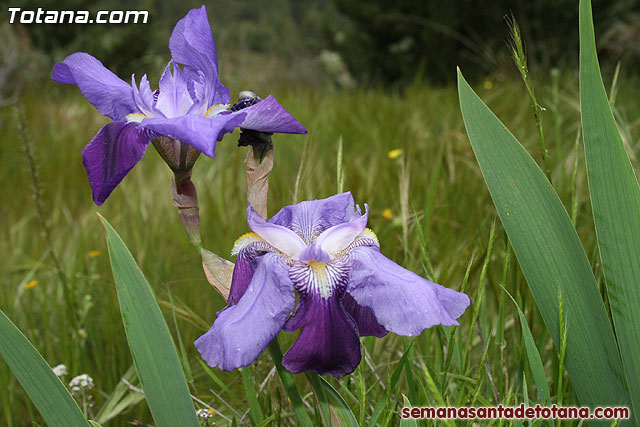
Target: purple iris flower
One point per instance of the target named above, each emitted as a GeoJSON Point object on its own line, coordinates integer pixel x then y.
{"type": "Point", "coordinates": [345, 289]}
{"type": "Point", "coordinates": [190, 110]}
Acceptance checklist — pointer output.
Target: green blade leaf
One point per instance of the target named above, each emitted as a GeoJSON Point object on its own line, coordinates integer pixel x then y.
{"type": "Point", "coordinates": [615, 201]}
{"type": "Point", "coordinates": [549, 252]}
{"type": "Point", "coordinates": [50, 396]}
{"type": "Point", "coordinates": [154, 353]}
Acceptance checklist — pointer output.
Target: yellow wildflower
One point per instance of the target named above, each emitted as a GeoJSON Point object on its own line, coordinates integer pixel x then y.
{"type": "Point", "coordinates": [488, 84]}
{"type": "Point", "coordinates": [387, 214]}
{"type": "Point", "coordinates": [394, 154]}
{"type": "Point", "coordinates": [93, 254]}
{"type": "Point", "coordinates": [32, 284]}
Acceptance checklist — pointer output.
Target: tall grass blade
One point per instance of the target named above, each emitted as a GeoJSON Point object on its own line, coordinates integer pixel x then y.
{"type": "Point", "coordinates": [48, 394]}
{"type": "Point", "coordinates": [391, 385]}
{"type": "Point", "coordinates": [333, 399]}
{"type": "Point", "coordinates": [154, 353]}
{"type": "Point", "coordinates": [289, 384]}
{"type": "Point", "coordinates": [549, 252]}
{"type": "Point", "coordinates": [615, 201]}
{"type": "Point", "coordinates": [535, 362]}
{"type": "Point", "coordinates": [121, 398]}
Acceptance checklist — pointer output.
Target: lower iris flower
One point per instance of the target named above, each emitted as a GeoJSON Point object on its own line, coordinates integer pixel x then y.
{"type": "Point", "coordinates": [322, 252]}
{"type": "Point", "coordinates": [186, 115]}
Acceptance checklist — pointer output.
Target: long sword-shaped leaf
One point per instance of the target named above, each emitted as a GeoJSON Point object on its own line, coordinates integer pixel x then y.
{"type": "Point", "coordinates": [615, 201]}
{"type": "Point", "coordinates": [50, 396]}
{"type": "Point", "coordinates": [154, 353]}
{"type": "Point", "coordinates": [549, 252]}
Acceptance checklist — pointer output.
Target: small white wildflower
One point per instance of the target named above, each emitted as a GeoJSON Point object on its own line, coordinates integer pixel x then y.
{"type": "Point", "coordinates": [205, 413]}
{"type": "Point", "coordinates": [83, 381]}
{"type": "Point", "coordinates": [60, 370]}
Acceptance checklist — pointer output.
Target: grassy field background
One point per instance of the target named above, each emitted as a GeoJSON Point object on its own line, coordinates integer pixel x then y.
{"type": "Point", "coordinates": [440, 226]}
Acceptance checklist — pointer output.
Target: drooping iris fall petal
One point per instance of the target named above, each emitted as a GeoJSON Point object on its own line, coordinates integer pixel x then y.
{"type": "Point", "coordinates": [111, 154]}
{"type": "Point", "coordinates": [243, 330]}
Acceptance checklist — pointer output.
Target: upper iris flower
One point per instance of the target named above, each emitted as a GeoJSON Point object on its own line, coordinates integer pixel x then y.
{"type": "Point", "coordinates": [345, 289]}
{"type": "Point", "coordinates": [190, 107]}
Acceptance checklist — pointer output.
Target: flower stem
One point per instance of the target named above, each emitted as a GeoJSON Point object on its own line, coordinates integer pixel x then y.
{"type": "Point", "coordinates": [185, 198]}
{"type": "Point", "coordinates": [259, 164]}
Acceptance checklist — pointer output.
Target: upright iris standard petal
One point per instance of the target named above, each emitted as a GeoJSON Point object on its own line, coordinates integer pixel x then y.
{"type": "Point", "coordinates": [242, 331]}
{"type": "Point", "coordinates": [338, 237]}
{"type": "Point", "coordinates": [192, 44]}
{"type": "Point", "coordinates": [173, 97]}
{"type": "Point", "coordinates": [111, 154]}
{"type": "Point", "coordinates": [112, 96]}
{"type": "Point", "coordinates": [402, 301]}
{"type": "Point", "coordinates": [310, 218]}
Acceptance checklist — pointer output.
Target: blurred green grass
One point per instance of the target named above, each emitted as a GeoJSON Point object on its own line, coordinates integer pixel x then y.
{"type": "Point", "coordinates": [434, 189]}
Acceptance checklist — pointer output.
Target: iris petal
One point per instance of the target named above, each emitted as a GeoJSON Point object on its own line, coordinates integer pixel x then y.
{"type": "Point", "coordinates": [401, 301]}
{"type": "Point", "coordinates": [364, 318]}
{"type": "Point", "coordinates": [242, 331]}
{"type": "Point", "coordinates": [310, 218]}
{"type": "Point", "coordinates": [338, 237]}
{"type": "Point", "coordinates": [111, 154]}
{"type": "Point", "coordinates": [199, 131]}
{"type": "Point", "coordinates": [143, 96]}
{"type": "Point", "coordinates": [328, 343]}
{"type": "Point", "coordinates": [192, 44]}
{"type": "Point", "coordinates": [277, 236]}
{"type": "Point", "coordinates": [242, 275]}
{"type": "Point", "coordinates": [174, 99]}
{"type": "Point", "coordinates": [111, 95]}
{"type": "Point", "coordinates": [269, 116]}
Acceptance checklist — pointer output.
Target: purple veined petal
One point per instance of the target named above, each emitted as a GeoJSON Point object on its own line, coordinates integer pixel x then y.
{"type": "Point", "coordinates": [143, 96]}
{"type": "Point", "coordinates": [174, 99]}
{"type": "Point", "coordinates": [402, 301]}
{"type": "Point", "coordinates": [271, 117]}
{"type": "Point", "coordinates": [265, 116]}
{"type": "Point", "coordinates": [192, 45]}
{"type": "Point", "coordinates": [242, 331]}
{"type": "Point", "coordinates": [102, 88]}
{"type": "Point", "coordinates": [277, 236]}
{"type": "Point", "coordinates": [199, 131]}
{"type": "Point", "coordinates": [310, 218]}
{"type": "Point", "coordinates": [242, 275]}
{"type": "Point", "coordinates": [328, 343]}
{"type": "Point", "coordinates": [111, 154]}
{"type": "Point", "coordinates": [338, 237]}
{"type": "Point", "coordinates": [364, 318]}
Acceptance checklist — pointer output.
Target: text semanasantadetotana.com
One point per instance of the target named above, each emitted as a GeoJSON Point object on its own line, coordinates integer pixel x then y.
{"type": "Point", "coordinates": [516, 412]}
{"type": "Point", "coordinates": [42, 16]}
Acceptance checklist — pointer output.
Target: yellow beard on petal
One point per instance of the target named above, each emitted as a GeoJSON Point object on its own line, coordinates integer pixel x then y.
{"type": "Point", "coordinates": [135, 117]}
{"type": "Point", "coordinates": [215, 109]}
